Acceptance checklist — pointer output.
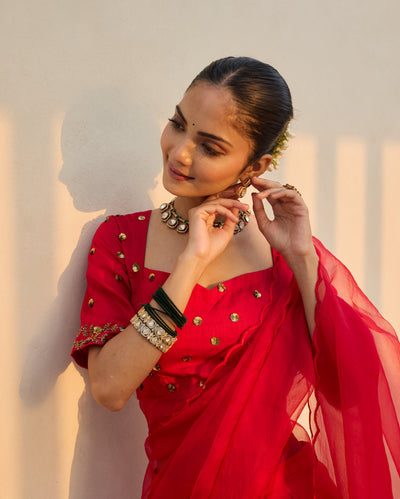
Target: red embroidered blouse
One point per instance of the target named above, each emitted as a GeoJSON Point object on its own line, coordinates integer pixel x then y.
{"type": "Point", "coordinates": [222, 405]}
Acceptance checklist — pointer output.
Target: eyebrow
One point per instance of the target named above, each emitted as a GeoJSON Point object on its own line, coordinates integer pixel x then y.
{"type": "Point", "coordinates": [178, 110]}
{"type": "Point", "coordinates": [203, 134]}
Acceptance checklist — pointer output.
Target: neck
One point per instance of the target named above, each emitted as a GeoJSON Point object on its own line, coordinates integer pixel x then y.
{"type": "Point", "coordinates": [184, 204]}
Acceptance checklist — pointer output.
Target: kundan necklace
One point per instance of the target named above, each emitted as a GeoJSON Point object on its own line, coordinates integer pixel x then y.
{"type": "Point", "coordinates": [174, 221]}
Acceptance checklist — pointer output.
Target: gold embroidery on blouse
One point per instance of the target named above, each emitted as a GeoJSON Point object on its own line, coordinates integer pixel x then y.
{"type": "Point", "coordinates": [95, 334]}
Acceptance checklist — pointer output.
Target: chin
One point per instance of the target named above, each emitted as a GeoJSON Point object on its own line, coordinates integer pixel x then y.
{"type": "Point", "coordinates": [176, 188]}
{"type": "Point", "coordinates": [168, 185]}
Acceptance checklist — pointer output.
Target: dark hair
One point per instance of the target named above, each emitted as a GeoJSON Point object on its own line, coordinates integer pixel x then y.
{"type": "Point", "coordinates": [262, 97]}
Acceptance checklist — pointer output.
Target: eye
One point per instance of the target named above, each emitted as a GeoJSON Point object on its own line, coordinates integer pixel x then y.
{"type": "Point", "coordinates": [176, 124]}
{"type": "Point", "coordinates": [210, 151]}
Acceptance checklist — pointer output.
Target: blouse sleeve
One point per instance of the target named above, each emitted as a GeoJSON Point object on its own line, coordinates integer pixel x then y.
{"type": "Point", "coordinates": [357, 363]}
{"type": "Point", "coordinates": [107, 307]}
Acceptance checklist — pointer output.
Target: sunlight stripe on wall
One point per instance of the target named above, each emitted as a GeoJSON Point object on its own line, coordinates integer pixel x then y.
{"type": "Point", "coordinates": [390, 232]}
{"type": "Point", "coordinates": [350, 204]}
{"type": "Point", "coordinates": [301, 170]}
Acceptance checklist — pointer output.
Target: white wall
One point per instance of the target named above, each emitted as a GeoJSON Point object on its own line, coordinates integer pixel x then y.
{"type": "Point", "coordinates": [85, 87]}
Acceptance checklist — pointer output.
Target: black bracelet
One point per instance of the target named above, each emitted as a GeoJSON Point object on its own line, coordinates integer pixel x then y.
{"type": "Point", "coordinates": [155, 316]}
{"type": "Point", "coordinates": [170, 309]}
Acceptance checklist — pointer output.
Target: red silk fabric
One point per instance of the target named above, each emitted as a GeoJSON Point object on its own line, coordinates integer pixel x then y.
{"type": "Point", "coordinates": [222, 418]}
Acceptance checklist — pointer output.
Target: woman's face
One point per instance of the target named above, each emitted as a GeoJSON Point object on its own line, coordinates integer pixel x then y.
{"type": "Point", "coordinates": [203, 153]}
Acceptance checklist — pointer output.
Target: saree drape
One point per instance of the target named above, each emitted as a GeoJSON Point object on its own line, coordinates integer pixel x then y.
{"type": "Point", "coordinates": [224, 423]}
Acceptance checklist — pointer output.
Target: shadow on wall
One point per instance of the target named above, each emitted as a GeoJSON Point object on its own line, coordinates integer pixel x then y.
{"type": "Point", "coordinates": [110, 154]}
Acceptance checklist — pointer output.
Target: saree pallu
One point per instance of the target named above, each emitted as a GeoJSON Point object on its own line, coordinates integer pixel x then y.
{"type": "Point", "coordinates": [237, 437]}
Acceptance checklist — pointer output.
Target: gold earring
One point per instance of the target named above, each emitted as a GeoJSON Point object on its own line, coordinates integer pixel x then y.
{"type": "Point", "coordinates": [243, 189]}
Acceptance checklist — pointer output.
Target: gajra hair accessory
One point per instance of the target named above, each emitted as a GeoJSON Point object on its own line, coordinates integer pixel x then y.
{"type": "Point", "coordinates": [279, 148]}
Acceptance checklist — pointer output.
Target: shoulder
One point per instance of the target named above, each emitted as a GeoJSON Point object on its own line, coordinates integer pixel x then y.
{"type": "Point", "coordinates": [113, 224]}
{"type": "Point", "coordinates": [118, 233]}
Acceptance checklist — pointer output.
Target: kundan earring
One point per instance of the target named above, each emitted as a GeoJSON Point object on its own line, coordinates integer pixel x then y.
{"type": "Point", "coordinates": [243, 188]}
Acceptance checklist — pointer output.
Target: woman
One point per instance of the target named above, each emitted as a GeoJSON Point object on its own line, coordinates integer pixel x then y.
{"type": "Point", "coordinates": [273, 319]}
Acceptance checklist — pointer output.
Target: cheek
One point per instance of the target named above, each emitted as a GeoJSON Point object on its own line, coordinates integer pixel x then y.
{"type": "Point", "coordinates": [164, 140]}
{"type": "Point", "coordinates": [221, 174]}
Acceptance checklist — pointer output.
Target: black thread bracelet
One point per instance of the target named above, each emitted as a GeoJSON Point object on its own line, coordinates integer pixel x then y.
{"type": "Point", "coordinates": [154, 315]}
{"type": "Point", "coordinates": [169, 307]}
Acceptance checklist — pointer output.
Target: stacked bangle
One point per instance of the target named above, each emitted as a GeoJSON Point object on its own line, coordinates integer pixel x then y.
{"type": "Point", "coordinates": [152, 327]}
{"type": "Point", "coordinates": [153, 313]}
{"type": "Point", "coordinates": [169, 307]}
{"type": "Point", "coordinates": [151, 331]}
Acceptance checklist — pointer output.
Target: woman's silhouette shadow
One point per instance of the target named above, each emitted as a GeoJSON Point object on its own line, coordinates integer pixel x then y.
{"type": "Point", "coordinates": [109, 159]}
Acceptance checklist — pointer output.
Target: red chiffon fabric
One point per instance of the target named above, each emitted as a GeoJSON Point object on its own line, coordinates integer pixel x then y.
{"type": "Point", "coordinates": [222, 415]}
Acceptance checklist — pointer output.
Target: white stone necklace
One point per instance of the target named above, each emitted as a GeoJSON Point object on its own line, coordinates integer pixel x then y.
{"type": "Point", "coordinates": [174, 221]}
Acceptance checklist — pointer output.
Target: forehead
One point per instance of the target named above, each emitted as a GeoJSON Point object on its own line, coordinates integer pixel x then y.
{"type": "Point", "coordinates": [207, 105]}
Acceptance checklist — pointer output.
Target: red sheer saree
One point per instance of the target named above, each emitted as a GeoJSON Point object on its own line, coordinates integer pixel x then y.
{"type": "Point", "coordinates": [357, 365]}
{"type": "Point", "coordinates": [222, 418]}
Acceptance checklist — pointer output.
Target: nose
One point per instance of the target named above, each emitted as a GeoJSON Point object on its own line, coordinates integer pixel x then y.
{"type": "Point", "coordinates": [182, 152]}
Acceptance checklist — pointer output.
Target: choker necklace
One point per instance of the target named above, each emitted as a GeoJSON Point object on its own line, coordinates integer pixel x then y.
{"type": "Point", "coordinates": [174, 221]}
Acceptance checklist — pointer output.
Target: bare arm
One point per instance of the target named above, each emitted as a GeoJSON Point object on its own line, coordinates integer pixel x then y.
{"type": "Point", "coordinates": [305, 270]}
{"type": "Point", "coordinates": [290, 234]}
{"type": "Point", "coordinates": [118, 368]}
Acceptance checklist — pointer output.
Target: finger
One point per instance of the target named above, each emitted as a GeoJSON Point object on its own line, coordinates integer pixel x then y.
{"type": "Point", "coordinates": [259, 211]}
{"type": "Point", "coordinates": [227, 203]}
{"type": "Point", "coordinates": [230, 223]}
{"type": "Point", "coordinates": [267, 193]}
{"type": "Point", "coordinates": [263, 183]}
{"type": "Point", "coordinates": [280, 193]}
{"type": "Point", "coordinates": [269, 185]}
{"type": "Point", "coordinates": [214, 210]}
{"type": "Point", "coordinates": [287, 194]}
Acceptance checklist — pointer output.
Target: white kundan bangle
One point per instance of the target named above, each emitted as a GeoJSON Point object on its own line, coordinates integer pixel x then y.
{"type": "Point", "coordinates": [147, 327]}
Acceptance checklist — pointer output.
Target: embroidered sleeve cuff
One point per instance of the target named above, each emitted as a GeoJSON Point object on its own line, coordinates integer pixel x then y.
{"type": "Point", "coordinates": [92, 335]}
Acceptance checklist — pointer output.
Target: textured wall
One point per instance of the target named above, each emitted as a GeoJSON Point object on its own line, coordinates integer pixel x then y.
{"type": "Point", "coordinates": [85, 87]}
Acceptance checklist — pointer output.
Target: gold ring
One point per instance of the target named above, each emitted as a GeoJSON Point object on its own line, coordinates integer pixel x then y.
{"type": "Point", "coordinates": [292, 188]}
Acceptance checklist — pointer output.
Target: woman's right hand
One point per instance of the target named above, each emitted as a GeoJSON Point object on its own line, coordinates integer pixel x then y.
{"type": "Point", "coordinates": [206, 242]}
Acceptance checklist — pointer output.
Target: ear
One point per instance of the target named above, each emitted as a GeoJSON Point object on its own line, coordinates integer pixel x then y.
{"type": "Point", "coordinates": [258, 168]}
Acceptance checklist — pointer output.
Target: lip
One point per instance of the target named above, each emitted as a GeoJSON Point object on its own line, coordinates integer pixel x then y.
{"type": "Point", "coordinates": [176, 174]}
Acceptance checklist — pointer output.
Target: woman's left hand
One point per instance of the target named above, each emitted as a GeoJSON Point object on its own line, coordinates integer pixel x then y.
{"type": "Point", "coordinates": [289, 232]}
